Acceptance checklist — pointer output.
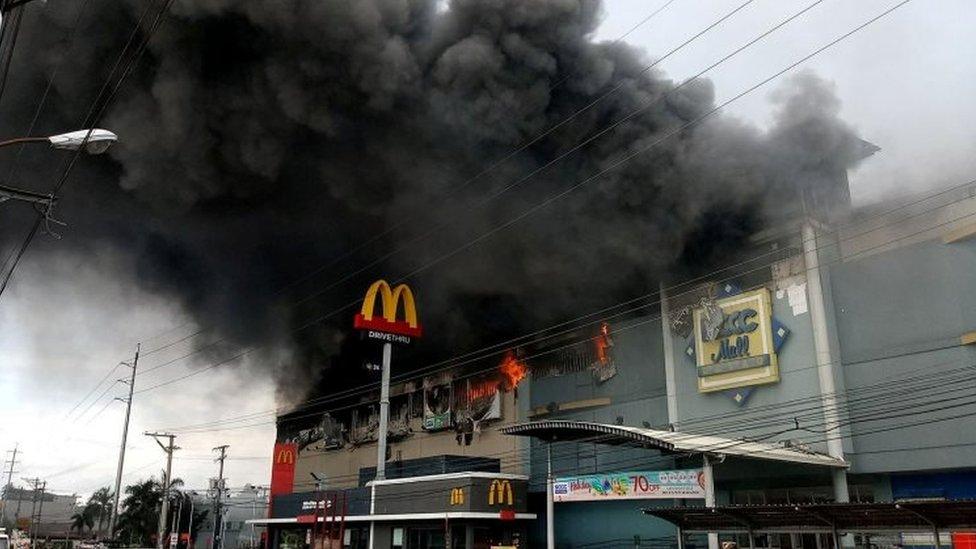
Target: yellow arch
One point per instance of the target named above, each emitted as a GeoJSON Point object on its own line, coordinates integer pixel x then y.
{"type": "Point", "coordinates": [409, 305]}
{"type": "Point", "coordinates": [389, 299]}
{"type": "Point", "coordinates": [386, 299]}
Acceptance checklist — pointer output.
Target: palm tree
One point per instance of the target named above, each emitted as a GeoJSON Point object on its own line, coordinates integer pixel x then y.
{"type": "Point", "coordinates": [82, 519]}
{"type": "Point", "coordinates": [140, 509]}
{"type": "Point", "coordinates": [101, 501]}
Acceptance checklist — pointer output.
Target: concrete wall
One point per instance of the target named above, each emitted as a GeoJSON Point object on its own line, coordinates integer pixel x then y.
{"type": "Point", "coordinates": [900, 315]}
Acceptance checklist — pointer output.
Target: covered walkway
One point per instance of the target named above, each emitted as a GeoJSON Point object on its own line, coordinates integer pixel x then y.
{"type": "Point", "coordinates": [933, 517]}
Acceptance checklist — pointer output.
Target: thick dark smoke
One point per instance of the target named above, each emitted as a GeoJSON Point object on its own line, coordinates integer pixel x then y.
{"type": "Point", "coordinates": [262, 139]}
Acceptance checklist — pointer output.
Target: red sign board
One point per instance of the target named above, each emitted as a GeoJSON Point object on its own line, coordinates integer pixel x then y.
{"type": "Point", "coordinates": [283, 468]}
{"type": "Point", "coordinates": [964, 540]}
{"type": "Point", "coordinates": [506, 514]}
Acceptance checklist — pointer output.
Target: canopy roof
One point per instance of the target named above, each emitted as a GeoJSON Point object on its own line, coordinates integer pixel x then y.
{"type": "Point", "coordinates": [845, 517]}
{"type": "Point", "coordinates": [667, 441]}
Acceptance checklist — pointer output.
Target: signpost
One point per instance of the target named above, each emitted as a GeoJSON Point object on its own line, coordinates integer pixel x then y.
{"type": "Point", "coordinates": [389, 330]}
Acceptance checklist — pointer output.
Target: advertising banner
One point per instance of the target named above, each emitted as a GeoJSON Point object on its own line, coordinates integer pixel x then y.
{"type": "Point", "coordinates": [677, 484]}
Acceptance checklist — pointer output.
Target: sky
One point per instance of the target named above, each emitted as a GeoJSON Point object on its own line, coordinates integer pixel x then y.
{"type": "Point", "coordinates": [905, 84]}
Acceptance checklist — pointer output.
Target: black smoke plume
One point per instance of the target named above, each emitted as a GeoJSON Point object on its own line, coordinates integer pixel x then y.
{"type": "Point", "coordinates": [263, 139]}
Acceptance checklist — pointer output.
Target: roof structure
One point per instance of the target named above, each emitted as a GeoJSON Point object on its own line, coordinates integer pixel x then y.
{"type": "Point", "coordinates": [667, 441]}
{"type": "Point", "coordinates": [922, 516]}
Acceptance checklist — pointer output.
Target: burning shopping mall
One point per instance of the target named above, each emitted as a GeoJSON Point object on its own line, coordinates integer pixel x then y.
{"type": "Point", "coordinates": [817, 370]}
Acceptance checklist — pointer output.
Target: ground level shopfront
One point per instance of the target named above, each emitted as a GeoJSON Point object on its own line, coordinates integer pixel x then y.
{"type": "Point", "coordinates": [471, 510]}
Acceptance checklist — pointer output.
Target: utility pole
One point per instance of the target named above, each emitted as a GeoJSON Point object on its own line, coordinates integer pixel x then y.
{"type": "Point", "coordinates": [7, 487]}
{"type": "Point", "coordinates": [113, 514]}
{"type": "Point", "coordinates": [169, 448]}
{"type": "Point", "coordinates": [36, 509]}
{"type": "Point", "coordinates": [218, 493]}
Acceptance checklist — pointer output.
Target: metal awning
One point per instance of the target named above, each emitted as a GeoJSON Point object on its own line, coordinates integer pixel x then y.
{"type": "Point", "coordinates": [667, 441]}
{"type": "Point", "coordinates": [921, 516]}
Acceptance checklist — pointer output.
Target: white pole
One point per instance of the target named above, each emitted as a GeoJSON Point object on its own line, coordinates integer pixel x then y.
{"type": "Point", "coordinates": [550, 507]}
{"type": "Point", "coordinates": [384, 413]}
{"type": "Point", "coordinates": [709, 495]}
{"type": "Point", "coordinates": [825, 373]}
{"type": "Point", "coordinates": [669, 381]}
{"type": "Point", "coordinates": [372, 511]}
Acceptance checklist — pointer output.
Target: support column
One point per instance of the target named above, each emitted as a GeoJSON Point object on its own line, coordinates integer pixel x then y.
{"type": "Point", "coordinates": [825, 362]}
{"type": "Point", "coordinates": [669, 378]}
{"type": "Point", "coordinates": [550, 507]}
{"type": "Point", "coordinates": [709, 495]}
{"type": "Point", "coordinates": [384, 413]}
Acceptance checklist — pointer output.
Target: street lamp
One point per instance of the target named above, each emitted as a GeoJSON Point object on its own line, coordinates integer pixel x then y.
{"type": "Point", "coordinates": [94, 141]}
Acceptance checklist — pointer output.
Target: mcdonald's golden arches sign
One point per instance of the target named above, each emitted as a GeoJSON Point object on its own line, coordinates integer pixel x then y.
{"type": "Point", "coordinates": [500, 493]}
{"type": "Point", "coordinates": [283, 468]}
{"type": "Point", "coordinates": [457, 496]}
{"type": "Point", "coordinates": [387, 322]}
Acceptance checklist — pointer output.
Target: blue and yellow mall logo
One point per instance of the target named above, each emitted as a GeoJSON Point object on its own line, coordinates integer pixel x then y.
{"type": "Point", "coordinates": [735, 344]}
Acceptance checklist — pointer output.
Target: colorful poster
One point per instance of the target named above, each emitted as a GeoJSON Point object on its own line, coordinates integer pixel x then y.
{"type": "Point", "coordinates": [677, 484]}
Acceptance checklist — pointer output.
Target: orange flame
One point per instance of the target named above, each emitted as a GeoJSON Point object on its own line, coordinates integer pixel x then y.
{"type": "Point", "coordinates": [513, 370]}
{"type": "Point", "coordinates": [481, 389]}
{"type": "Point", "coordinates": [602, 342]}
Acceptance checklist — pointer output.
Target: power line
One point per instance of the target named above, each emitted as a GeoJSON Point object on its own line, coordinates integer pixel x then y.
{"type": "Point", "coordinates": [93, 389]}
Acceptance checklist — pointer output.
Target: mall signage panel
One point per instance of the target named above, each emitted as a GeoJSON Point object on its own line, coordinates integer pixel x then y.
{"type": "Point", "coordinates": [676, 484]}
{"type": "Point", "coordinates": [734, 343]}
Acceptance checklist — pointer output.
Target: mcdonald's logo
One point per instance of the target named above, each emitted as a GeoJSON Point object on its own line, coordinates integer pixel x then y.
{"type": "Point", "coordinates": [500, 493]}
{"type": "Point", "coordinates": [457, 496]}
{"type": "Point", "coordinates": [390, 302]}
{"type": "Point", "coordinates": [285, 455]}
{"type": "Point", "coordinates": [283, 468]}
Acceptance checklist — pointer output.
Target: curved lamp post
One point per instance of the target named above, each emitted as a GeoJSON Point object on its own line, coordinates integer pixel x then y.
{"type": "Point", "coordinates": [98, 141]}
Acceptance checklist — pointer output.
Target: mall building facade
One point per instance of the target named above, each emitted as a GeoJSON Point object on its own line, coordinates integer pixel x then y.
{"type": "Point", "coordinates": [851, 336]}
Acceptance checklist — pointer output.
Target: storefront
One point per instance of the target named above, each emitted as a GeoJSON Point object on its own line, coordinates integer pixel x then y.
{"type": "Point", "coordinates": [470, 510]}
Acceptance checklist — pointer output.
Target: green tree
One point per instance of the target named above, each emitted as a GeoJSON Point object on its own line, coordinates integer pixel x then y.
{"type": "Point", "coordinates": [101, 503]}
{"type": "Point", "coordinates": [83, 519]}
{"type": "Point", "coordinates": [140, 510]}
